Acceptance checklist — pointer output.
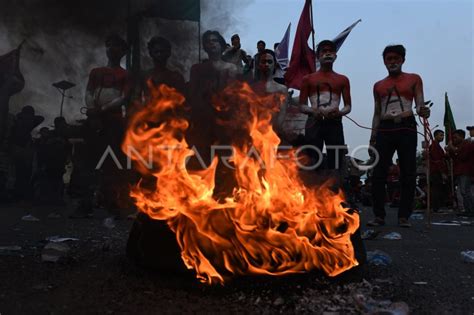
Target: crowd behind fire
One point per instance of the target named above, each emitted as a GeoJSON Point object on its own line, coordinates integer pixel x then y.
{"type": "Point", "coordinates": [34, 168]}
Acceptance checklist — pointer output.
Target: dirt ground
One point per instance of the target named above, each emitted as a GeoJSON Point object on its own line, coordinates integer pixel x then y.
{"type": "Point", "coordinates": [427, 273]}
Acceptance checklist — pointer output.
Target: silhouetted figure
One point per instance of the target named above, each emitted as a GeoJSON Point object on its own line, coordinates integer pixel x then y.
{"type": "Point", "coordinates": [159, 49]}
{"type": "Point", "coordinates": [52, 152]}
{"type": "Point", "coordinates": [207, 79]}
{"type": "Point", "coordinates": [21, 144]}
{"type": "Point", "coordinates": [107, 95]}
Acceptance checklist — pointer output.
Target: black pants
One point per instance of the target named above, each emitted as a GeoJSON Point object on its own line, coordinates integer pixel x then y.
{"type": "Point", "coordinates": [400, 137]}
{"type": "Point", "coordinates": [327, 132]}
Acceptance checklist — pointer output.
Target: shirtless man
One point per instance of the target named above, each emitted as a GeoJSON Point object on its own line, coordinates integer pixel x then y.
{"type": "Point", "coordinates": [159, 49]}
{"type": "Point", "coordinates": [265, 83]}
{"type": "Point", "coordinates": [394, 129]}
{"type": "Point", "coordinates": [206, 80]}
{"type": "Point", "coordinates": [324, 89]}
{"type": "Point", "coordinates": [235, 54]}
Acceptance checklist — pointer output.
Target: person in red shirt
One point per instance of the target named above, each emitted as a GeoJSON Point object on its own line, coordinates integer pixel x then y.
{"type": "Point", "coordinates": [394, 129]}
{"type": "Point", "coordinates": [325, 88]}
{"type": "Point", "coordinates": [462, 153]}
{"type": "Point", "coordinates": [438, 170]}
{"type": "Point", "coordinates": [107, 95]}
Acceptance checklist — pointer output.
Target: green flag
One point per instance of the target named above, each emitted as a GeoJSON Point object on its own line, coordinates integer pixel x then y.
{"type": "Point", "coordinates": [449, 124]}
{"type": "Point", "coordinates": [189, 10]}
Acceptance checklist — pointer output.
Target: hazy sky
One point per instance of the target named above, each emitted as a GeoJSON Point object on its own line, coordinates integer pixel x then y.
{"type": "Point", "coordinates": [438, 36]}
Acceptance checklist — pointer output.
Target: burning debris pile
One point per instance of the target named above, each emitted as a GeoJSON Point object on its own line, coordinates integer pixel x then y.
{"type": "Point", "coordinates": [268, 223]}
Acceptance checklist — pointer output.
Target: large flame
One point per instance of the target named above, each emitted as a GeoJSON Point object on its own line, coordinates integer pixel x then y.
{"type": "Point", "coordinates": [270, 223]}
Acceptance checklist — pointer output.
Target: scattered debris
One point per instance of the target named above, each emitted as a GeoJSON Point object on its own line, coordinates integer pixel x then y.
{"type": "Point", "coordinates": [453, 223]}
{"type": "Point", "coordinates": [378, 258]}
{"type": "Point", "coordinates": [109, 223]}
{"type": "Point", "coordinates": [132, 216]}
{"type": "Point", "coordinates": [417, 216]}
{"type": "Point", "coordinates": [279, 301]}
{"type": "Point", "coordinates": [10, 248]}
{"type": "Point", "coordinates": [106, 246]}
{"type": "Point", "coordinates": [445, 223]}
{"type": "Point", "coordinates": [53, 252]}
{"type": "Point", "coordinates": [29, 217]}
{"type": "Point", "coordinates": [393, 236]}
{"type": "Point", "coordinates": [367, 305]}
{"type": "Point", "coordinates": [468, 256]}
{"type": "Point", "coordinates": [370, 234]}
{"type": "Point", "coordinates": [43, 287]}
{"type": "Point", "coordinates": [383, 281]}
{"type": "Point", "coordinates": [58, 239]}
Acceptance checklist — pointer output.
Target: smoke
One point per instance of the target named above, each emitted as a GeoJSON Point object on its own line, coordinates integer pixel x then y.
{"type": "Point", "coordinates": [64, 40]}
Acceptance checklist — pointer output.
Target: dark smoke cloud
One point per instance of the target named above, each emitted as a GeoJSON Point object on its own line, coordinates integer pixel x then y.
{"type": "Point", "coordinates": [65, 40]}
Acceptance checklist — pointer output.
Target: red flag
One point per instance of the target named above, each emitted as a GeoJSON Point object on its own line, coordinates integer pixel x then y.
{"type": "Point", "coordinates": [302, 57]}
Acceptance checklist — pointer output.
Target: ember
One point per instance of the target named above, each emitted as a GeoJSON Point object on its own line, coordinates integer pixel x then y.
{"type": "Point", "coordinates": [270, 223]}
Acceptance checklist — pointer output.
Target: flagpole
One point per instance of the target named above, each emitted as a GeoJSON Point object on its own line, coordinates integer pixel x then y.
{"type": "Point", "coordinates": [428, 179]}
{"type": "Point", "coordinates": [312, 25]}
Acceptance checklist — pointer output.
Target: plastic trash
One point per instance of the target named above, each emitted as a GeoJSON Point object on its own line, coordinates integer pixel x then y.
{"type": "Point", "coordinates": [29, 217]}
{"type": "Point", "coordinates": [10, 248]}
{"type": "Point", "coordinates": [52, 252]}
{"type": "Point", "coordinates": [370, 234]}
{"type": "Point", "coordinates": [109, 223]}
{"type": "Point", "coordinates": [378, 258]}
{"type": "Point", "coordinates": [393, 236]}
{"type": "Point", "coordinates": [417, 216]}
{"type": "Point", "coordinates": [58, 239]}
{"type": "Point", "coordinates": [468, 256]}
{"type": "Point", "coordinates": [54, 215]}
{"type": "Point", "coordinates": [447, 223]}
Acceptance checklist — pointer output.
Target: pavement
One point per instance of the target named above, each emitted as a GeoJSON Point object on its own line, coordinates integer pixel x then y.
{"type": "Point", "coordinates": [426, 275]}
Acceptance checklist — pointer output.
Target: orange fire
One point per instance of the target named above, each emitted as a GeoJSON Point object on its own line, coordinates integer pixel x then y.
{"type": "Point", "coordinates": [270, 223]}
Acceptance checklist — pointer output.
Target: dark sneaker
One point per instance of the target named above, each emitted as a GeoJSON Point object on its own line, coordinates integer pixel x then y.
{"type": "Point", "coordinates": [402, 222]}
{"type": "Point", "coordinates": [376, 222]}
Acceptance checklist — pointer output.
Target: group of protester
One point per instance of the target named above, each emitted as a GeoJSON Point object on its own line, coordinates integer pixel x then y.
{"type": "Point", "coordinates": [113, 94]}
{"type": "Point", "coordinates": [455, 161]}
